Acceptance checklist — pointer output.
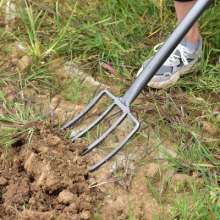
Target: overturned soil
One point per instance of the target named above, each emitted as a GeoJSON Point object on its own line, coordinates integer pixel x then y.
{"type": "Point", "coordinates": [44, 178]}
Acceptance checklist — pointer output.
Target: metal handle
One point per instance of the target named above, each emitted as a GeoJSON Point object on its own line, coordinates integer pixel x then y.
{"type": "Point", "coordinates": [162, 55]}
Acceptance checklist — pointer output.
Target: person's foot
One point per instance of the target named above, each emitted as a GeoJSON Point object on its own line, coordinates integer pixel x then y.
{"type": "Point", "coordinates": [179, 63]}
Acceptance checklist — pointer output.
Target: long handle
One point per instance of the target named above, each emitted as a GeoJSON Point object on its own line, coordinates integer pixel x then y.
{"type": "Point", "coordinates": [162, 55]}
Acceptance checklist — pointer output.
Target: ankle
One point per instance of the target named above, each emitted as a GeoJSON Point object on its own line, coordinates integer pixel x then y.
{"type": "Point", "coordinates": [193, 36]}
{"type": "Point", "coordinates": [192, 46]}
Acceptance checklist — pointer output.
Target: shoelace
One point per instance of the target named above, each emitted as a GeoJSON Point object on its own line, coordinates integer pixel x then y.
{"type": "Point", "coordinates": [174, 59]}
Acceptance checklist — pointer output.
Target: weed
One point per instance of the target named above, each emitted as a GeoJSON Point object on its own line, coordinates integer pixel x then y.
{"type": "Point", "coordinates": [197, 205]}
{"type": "Point", "coordinates": [14, 120]}
{"type": "Point", "coordinates": [38, 76]}
{"type": "Point", "coordinates": [39, 47]}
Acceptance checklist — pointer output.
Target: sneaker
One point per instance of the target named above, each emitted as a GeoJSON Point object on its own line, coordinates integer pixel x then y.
{"type": "Point", "coordinates": [179, 63]}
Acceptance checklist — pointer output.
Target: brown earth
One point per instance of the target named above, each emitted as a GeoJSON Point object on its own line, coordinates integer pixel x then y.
{"type": "Point", "coordinates": [45, 179]}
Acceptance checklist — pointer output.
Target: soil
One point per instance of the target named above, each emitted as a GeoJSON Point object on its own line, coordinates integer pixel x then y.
{"type": "Point", "coordinates": [45, 179]}
{"type": "Point", "coordinates": [135, 202]}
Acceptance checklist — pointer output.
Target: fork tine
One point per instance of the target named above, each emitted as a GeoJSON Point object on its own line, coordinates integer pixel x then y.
{"type": "Point", "coordinates": [93, 124]}
{"type": "Point", "coordinates": [104, 135]}
{"type": "Point", "coordinates": [115, 151]}
{"type": "Point", "coordinates": [87, 108]}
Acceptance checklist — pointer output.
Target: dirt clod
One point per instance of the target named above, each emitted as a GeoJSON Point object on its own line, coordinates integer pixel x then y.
{"type": "Point", "coordinates": [209, 128]}
{"type": "Point", "coordinates": [53, 140]}
{"type": "Point", "coordinates": [45, 184]}
{"type": "Point", "coordinates": [65, 197]}
{"type": "Point", "coordinates": [3, 181]}
{"type": "Point", "coordinates": [24, 63]}
{"type": "Point", "coordinates": [85, 215]}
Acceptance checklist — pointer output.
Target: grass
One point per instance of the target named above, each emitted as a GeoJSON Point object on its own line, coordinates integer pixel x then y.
{"type": "Point", "coordinates": [122, 33]}
{"type": "Point", "coordinates": [197, 205]}
{"type": "Point", "coordinates": [73, 90]}
{"type": "Point", "coordinates": [14, 120]}
{"type": "Point", "coordinates": [32, 21]}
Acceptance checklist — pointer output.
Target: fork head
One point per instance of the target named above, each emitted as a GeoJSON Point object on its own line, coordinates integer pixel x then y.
{"type": "Point", "coordinates": [125, 114]}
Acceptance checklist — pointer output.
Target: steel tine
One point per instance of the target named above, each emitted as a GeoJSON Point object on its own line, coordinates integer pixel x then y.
{"type": "Point", "coordinates": [87, 109]}
{"type": "Point", "coordinates": [115, 151]}
{"type": "Point", "coordinates": [104, 135]}
{"type": "Point", "coordinates": [93, 124]}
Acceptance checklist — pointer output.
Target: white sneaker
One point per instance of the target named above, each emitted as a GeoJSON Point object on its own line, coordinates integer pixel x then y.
{"type": "Point", "coordinates": [179, 63]}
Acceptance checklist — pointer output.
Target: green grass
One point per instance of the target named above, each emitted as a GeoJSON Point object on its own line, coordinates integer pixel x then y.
{"type": "Point", "coordinates": [14, 120]}
{"type": "Point", "coordinates": [123, 33]}
{"type": "Point", "coordinates": [33, 20]}
{"type": "Point", "coordinates": [197, 205]}
{"type": "Point", "coordinates": [118, 32]}
{"type": "Point", "coordinates": [74, 90]}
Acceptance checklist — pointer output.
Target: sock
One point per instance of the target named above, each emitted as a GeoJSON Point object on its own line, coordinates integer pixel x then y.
{"type": "Point", "coordinates": [192, 46]}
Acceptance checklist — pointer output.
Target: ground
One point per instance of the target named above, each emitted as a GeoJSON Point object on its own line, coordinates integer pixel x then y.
{"type": "Point", "coordinates": [45, 179]}
{"type": "Point", "coordinates": [58, 56]}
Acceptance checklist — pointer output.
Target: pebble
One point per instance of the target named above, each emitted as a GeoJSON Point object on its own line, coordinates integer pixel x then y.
{"type": "Point", "coordinates": [3, 181]}
{"type": "Point", "coordinates": [24, 63]}
{"type": "Point", "coordinates": [85, 215]}
{"type": "Point", "coordinates": [65, 197]}
{"type": "Point", "coordinates": [209, 128]}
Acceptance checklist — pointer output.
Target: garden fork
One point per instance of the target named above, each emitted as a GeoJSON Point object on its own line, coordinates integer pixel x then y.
{"type": "Point", "coordinates": [140, 82]}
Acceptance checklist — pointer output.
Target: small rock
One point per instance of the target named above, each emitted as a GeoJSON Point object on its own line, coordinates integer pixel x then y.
{"type": "Point", "coordinates": [3, 181]}
{"type": "Point", "coordinates": [18, 51]}
{"type": "Point", "coordinates": [20, 48]}
{"type": "Point", "coordinates": [52, 182]}
{"type": "Point", "coordinates": [43, 149]}
{"type": "Point", "coordinates": [85, 215]}
{"type": "Point", "coordinates": [24, 63]}
{"type": "Point", "coordinates": [65, 197]}
{"type": "Point", "coordinates": [209, 128]}
{"type": "Point", "coordinates": [153, 170]}
{"type": "Point", "coordinates": [91, 81]}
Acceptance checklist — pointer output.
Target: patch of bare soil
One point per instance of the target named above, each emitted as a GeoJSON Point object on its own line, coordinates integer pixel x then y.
{"type": "Point", "coordinates": [125, 186]}
{"type": "Point", "coordinates": [45, 179]}
{"type": "Point", "coordinates": [129, 198]}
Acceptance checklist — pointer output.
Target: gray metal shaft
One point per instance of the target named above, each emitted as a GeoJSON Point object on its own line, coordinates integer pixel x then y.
{"type": "Point", "coordinates": [162, 55]}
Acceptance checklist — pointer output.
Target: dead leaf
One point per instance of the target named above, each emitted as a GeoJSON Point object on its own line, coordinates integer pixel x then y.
{"type": "Point", "coordinates": [109, 68]}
